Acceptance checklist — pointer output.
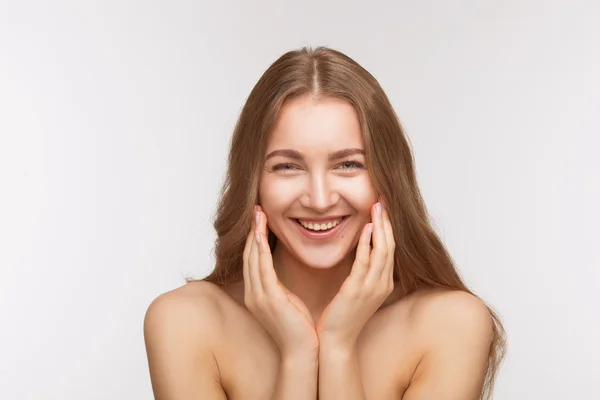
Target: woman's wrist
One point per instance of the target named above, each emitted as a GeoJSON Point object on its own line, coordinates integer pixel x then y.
{"type": "Point", "coordinates": [301, 357]}
{"type": "Point", "coordinates": [331, 344]}
{"type": "Point", "coordinates": [297, 378]}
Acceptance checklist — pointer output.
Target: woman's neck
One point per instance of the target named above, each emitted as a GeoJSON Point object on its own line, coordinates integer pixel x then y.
{"type": "Point", "coordinates": [314, 286]}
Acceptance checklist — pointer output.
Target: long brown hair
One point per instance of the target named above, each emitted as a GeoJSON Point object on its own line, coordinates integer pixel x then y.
{"type": "Point", "coordinates": [421, 260]}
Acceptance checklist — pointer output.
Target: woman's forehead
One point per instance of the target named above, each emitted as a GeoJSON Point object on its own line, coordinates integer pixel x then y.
{"type": "Point", "coordinates": [309, 123]}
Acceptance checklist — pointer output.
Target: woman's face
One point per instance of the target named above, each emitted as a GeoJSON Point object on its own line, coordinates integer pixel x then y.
{"type": "Point", "coordinates": [314, 173]}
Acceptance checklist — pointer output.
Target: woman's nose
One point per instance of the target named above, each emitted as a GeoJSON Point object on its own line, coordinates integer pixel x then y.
{"type": "Point", "coordinates": [320, 195]}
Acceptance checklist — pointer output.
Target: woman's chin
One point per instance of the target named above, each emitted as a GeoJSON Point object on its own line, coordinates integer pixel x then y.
{"type": "Point", "coordinates": [321, 265]}
{"type": "Point", "coordinates": [326, 257]}
{"type": "Point", "coordinates": [323, 262]}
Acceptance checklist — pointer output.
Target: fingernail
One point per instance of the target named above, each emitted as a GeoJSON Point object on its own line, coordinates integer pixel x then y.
{"type": "Point", "coordinates": [378, 208]}
{"type": "Point", "coordinates": [257, 217]}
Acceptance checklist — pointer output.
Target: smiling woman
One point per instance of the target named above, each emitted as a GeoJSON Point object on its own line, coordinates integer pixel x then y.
{"type": "Point", "coordinates": [329, 280]}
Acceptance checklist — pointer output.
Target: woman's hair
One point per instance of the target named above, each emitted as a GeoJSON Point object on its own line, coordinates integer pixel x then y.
{"type": "Point", "coordinates": [421, 260]}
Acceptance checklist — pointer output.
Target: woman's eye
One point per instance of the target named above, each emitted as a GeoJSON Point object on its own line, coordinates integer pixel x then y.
{"type": "Point", "coordinates": [284, 167]}
{"type": "Point", "coordinates": [351, 165]}
{"type": "Point", "coordinates": [346, 165]}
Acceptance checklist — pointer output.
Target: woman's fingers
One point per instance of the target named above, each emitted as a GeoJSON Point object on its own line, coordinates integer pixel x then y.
{"type": "Point", "coordinates": [265, 259]}
{"type": "Point", "coordinates": [360, 268]}
{"type": "Point", "coordinates": [391, 246]}
{"type": "Point", "coordinates": [246, 258]}
{"type": "Point", "coordinates": [379, 254]}
{"type": "Point", "coordinates": [255, 268]}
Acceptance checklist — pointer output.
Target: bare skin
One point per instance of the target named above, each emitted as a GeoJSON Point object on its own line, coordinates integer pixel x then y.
{"type": "Point", "coordinates": [383, 376]}
{"type": "Point", "coordinates": [216, 345]}
{"type": "Point", "coordinates": [205, 341]}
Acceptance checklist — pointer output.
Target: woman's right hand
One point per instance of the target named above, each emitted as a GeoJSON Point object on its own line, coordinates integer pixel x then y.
{"type": "Point", "coordinates": [281, 312]}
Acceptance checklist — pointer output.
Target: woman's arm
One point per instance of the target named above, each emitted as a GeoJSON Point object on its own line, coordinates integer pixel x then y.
{"type": "Point", "coordinates": [339, 373]}
{"type": "Point", "coordinates": [179, 333]}
{"type": "Point", "coordinates": [297, 379]}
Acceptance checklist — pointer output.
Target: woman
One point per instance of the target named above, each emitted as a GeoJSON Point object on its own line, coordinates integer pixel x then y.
{"type": "Point", "coordinates": [329, 282]}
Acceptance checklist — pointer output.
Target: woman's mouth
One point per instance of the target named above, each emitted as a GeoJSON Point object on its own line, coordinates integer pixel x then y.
{"type": "Point", "coordinates": [322, 229]}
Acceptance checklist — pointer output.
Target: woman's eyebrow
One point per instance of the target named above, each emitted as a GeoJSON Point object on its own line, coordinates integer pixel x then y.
{"type": "Point", "coordinates": [289, 153]}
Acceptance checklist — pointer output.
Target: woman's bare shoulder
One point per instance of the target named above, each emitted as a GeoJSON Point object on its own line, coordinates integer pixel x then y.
{"type": "Point", "coordinates": [433, 309]}
{"type": "Point", "coordinates": [197, 302]}
{"type": "Point", "coordinates": [181, 330]}
{"type": "Point", "coordinates": [453, 332]}
{"type": "Point", "coordinates": [443, 319]}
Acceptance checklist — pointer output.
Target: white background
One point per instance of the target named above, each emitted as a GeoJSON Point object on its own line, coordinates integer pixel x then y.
{"type": "Point", "coordinates": [115, 120]}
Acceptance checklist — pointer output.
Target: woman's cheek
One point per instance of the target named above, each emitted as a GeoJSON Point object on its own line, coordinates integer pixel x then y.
{"type": "Point", "coordinates": [278, 193]}
{"type": "Point", "coordinates": [359, 192]}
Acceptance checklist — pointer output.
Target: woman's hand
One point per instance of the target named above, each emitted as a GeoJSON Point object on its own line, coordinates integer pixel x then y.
{"type": "Point", "coordinates": [281, 312]}
{"type": "Point", "coordinates": [369, 284]}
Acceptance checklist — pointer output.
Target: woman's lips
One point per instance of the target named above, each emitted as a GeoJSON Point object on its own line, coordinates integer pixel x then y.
{"type": "Point", "coordinates": [320, 235]}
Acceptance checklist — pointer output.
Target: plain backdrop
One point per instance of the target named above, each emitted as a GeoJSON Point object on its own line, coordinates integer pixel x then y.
{"type": "Point", "coordinates": [115, 121]}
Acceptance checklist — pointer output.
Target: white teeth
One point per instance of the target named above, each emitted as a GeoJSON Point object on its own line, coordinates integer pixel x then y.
{"type": "Point", "coordinates": [320, 227]}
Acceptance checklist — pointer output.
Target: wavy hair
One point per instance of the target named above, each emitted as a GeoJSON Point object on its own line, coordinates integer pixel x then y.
{"type": "Point", "coordinates": [421, 260]}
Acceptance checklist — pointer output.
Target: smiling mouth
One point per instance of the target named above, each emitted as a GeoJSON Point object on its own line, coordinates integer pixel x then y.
{"type": "Point", "coordinates": [317, 227]}
{"type": "Point", "coordinates": [321, 231]}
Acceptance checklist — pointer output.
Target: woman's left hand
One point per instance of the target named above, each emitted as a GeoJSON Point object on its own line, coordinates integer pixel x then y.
{"type": "Point", "coordinates": [369, 284]}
